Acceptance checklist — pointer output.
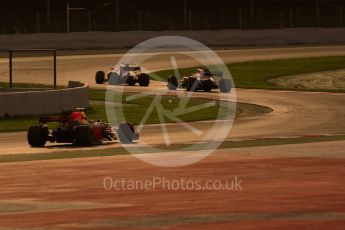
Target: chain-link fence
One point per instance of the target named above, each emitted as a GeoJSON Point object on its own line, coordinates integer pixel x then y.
{"type": "Point", "coordinates": [32, 68]}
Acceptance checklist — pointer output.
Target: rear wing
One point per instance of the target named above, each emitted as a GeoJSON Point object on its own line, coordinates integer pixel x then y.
{"type": "Point", "coordinates": [129, 67]}
{"type": "Point", "coordinates": [48, 119]}
{"type": "Point", "coordinates": [208, 72]}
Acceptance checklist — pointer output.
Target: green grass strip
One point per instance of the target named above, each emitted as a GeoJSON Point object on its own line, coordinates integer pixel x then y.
{"type": "Point", "coordinates": [255, 74]}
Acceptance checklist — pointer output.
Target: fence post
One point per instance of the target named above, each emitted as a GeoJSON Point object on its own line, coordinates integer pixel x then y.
{"type": "Point", "coordinates": [10, 68]}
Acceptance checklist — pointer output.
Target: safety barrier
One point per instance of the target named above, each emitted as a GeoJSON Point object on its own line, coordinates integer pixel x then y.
{"type": "Point", "coordinates": [43, 101]}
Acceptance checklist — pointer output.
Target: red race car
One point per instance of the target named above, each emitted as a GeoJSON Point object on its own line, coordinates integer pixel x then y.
{"type": "Point", "coordinates": [76, 128]}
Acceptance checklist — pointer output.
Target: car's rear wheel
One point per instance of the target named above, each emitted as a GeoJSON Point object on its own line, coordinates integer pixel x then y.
{"type": "Point", "coordinates": [192, 84]}
{"type": "Point", "coordinates": [114, 79]}
{"type": "Point", "coordinates": [130, 80]}
{"type": "Point", "coordinates": [100, 77]}
{"type": "Point", "coordinates": [172, 83]}
{"type": "Point", "coordinates": [84, 136]}
{"type": "Point", "coordinates": [144, 80]}
{"type": "Point", "coordinates": [207, 85]}
{"type": "Point", "coordinates": [37, 136]}
{"type": "Point", "coordinates": [126, 133]}
{"type": "Point", "coordinates": [224, 85]}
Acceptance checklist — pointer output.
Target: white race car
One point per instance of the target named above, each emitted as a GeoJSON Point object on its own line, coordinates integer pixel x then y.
{"type": "Point", "coordinates": [202, 79]}
{"type": "Point", "coordinates": [127, 74]}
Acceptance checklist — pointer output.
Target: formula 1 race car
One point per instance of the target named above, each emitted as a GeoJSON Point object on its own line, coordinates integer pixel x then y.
{"type": "Point", "coordinates": [75, 128]}
{"type": "Point", "coordinates": [203, 79]}
{"type": "Point", "coordinates": [127, 74]}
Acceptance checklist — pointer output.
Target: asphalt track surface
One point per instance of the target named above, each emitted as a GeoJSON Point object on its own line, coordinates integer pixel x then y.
{"type": "Point", "coordinates": [294, 113]}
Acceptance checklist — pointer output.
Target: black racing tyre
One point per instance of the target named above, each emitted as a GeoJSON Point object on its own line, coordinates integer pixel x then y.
{"type": "Point", "coordinates": [144, 80]}
{"type": "Point", "coordinates": [172, 82]}
{"type": "Point", "coordinates": [207, 85]}
{"type": "Point", "coordinates": [184, 82]}
{"type": "Point", "coordinates": [192, 84]}
{"type": "Point", "coordinates": [37, 136]}
{"type": "Point", "coordinates": [130, 80]}
{"type": "Point", "coordinates": [100, 77]}
{"type": "Point", "coordinates": [126, 133]}
{"type": "Point", "coordinates": [224, 85]}
{"type": "Point", "coordinates": [114, 79]}
{"type": "Point", "coordinates": [84, 135]}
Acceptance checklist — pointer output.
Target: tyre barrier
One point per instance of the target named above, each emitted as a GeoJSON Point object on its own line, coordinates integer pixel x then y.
{"type": "Point", "coordinates": [40, 102]}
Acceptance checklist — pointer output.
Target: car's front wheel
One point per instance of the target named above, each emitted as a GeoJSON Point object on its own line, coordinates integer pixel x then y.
{"type": "Point", "coordinates": [100, 77]}
{"type": "Point", "coordinates": [144, 80]}
{"type": "Point", "coordinates": [172, 82]}
{"type": "Point", "coordinates": [126, 133]}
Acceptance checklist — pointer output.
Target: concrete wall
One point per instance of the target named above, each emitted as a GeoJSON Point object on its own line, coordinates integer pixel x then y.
{"type": "Point", "coordinates": [126, 39]}
{"type": "Point", "coordinates": [43, 102]}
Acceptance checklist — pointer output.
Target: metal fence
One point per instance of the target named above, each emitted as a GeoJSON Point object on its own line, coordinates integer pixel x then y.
{"type": "Point", "coordinates": [32, 68]}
